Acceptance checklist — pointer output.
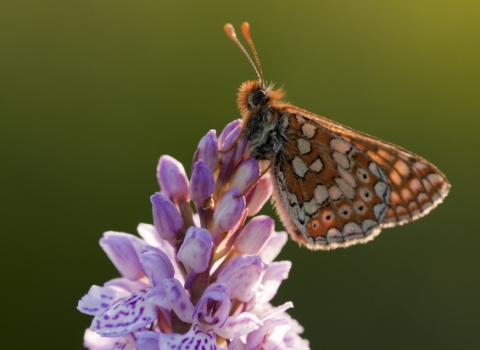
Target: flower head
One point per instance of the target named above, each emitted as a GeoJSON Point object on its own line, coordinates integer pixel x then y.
{"type": "Point", "coordinates": [197, 279]}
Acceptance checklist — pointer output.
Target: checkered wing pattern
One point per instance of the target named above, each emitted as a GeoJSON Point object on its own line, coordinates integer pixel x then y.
{"type": "Point", "coordinates": [338, 187]}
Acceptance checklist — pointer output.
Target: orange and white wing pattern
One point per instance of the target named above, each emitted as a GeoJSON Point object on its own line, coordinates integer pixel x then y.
{"type": "Point", "coordinates": [338, 187]}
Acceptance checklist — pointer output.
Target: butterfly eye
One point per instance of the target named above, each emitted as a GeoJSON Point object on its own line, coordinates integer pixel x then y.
{"type": "Point", "coordinates": [257, 99]}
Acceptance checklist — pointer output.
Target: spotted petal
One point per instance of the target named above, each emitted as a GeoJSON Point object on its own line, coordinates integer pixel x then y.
{"type": "Point", "coordinates": [125, 316]}
{"type": "Point", "coordinates": [193, 339]}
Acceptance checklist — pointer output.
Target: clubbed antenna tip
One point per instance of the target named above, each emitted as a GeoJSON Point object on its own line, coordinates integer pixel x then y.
{"type": "Point", "coordinates": [246, 33]}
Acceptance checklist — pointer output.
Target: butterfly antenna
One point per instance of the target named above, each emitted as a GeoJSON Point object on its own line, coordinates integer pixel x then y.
{"type": "Point", "coordinates": [231, 34]}
{"type": "Point", "coordinates": [246, 35]}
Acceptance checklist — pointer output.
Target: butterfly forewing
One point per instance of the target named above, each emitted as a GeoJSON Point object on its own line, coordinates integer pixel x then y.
{"type": "Point", "coordinates": [339, 187]}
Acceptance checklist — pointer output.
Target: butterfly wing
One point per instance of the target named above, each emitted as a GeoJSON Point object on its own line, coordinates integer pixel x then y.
{"type": "Point", "coordinates": [338, 187]}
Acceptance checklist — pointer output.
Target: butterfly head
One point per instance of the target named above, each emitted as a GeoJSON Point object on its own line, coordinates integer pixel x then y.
{"type": "Point", "coordinates": [254, 96]}
{"type": "Point", "coordinates": [257, 99]}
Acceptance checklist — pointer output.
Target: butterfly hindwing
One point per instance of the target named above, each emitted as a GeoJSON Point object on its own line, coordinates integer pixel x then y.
{"type": "Point", "coordinates": [334, 194]}
{"type": "Point", "coordinates": [417, 186]}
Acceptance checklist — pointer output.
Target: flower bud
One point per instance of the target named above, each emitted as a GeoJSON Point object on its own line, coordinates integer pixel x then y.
{"type": "Point", "coordinates": [196, 250]}
{"type": "Point", "coordinates": [243, 275]}
{"type": "Point", "coordinates": [254, 235]}
{"type": "Point", "coordinates": [229, 210]}
{"type": "Point", "coordinates": [202, 184]}
{"type": "Point", "coordinates": [245, 174]}
{"type": "Point", "coordinates": [166, 218]}
{"type": "Point", "coordinates": [227, 130]}
{"type": "Point", "coordinates": [208, 150]}
{"type": "Point", "coordinates": [120, 248]}
{"type": "Point", "coordinates": [172, 178]}
{"type": "Point", "coordinates": [260, 194]}
{"type": "Point", "coordinates": [237, 151]}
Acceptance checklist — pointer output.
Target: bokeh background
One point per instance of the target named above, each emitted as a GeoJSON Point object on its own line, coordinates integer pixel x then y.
{"type": "Point", "coordinates": [92, 93]}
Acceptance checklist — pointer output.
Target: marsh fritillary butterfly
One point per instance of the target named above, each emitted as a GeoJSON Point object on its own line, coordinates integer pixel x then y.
{"type": "Point", "coordinates": [334, 186]}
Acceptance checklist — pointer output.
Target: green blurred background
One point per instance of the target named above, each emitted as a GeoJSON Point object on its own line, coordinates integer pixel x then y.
{"type": "Point", "coordinates": [92, 93]}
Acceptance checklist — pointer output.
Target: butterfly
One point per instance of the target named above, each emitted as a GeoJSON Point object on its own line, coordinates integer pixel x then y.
{"type": "Point", "coordinates": [333, 186]}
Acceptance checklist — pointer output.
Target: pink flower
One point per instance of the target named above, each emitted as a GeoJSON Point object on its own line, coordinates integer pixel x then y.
{"type": "Point", "coordinates": [199, 280]}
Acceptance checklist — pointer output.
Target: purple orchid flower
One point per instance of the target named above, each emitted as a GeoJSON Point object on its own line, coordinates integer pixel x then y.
{"type": "Point", "coordinates": [199, 280]}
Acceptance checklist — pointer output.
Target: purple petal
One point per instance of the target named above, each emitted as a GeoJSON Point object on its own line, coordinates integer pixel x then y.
{"type": "Point", "coordinates": [158, 296]}
{"type": "Point", "coordinates": [213, 309]}
{"type": "Point", "coordinates": [93, 341]}
{"type": "Point", "coordinates": [243, 275]}
{"type": "Point", "coordinates": [147, 340]}
{"type": "Point", "coordinates": [261, 193]}
{"type": "Point", "coordinates": [245, 174]}
{"type": "Point", "coordinates": [208, 150]}
{"type": "Point", "coordinates": [269, 335]}
{"type": "Point", "coordinates": [125, 316]}
{"type": "Point", "coordinates": [166, 217]}
{"type": "Point", "coordinates": [218, 288]}
{"type": "Point", "coordinates": [255, 235]}
{"type": "Point", "coordinates": [150, 235]}
{"type": "Point", "coordinates": [229, 210]}
{"type": "Point", "coordinates": [196, 250]}
{"type": "Point", "coordinates": [126, 284]}
{"type": "Point", "coordinates": [179, 301]}
{"type": "Point", "coordinates": [238, 344]}
{"type": "Point", "coordinates": [99, 299]}
{"type": "Point", "coordinates": [274, 246]}
{"type": "Point", "coordinates": [194, 339]}
{"type": "Point", "coordinates": [156, 265]}
{"type": "Point", "coordinates": [123, 250]}
{"type": "Point", "coordinates": [202, 184]}
{"type": "Point", "coordinates": [172, 178]}
{"type": "Point", "coordinates": [277, 312]}
{"type": "Point", "coordinates": [283, 331]}
{"type": "Point", "coordinates": [292, 340]}
{"type": "Point", "coordinates": [239, 325]}
{"type": "Point", "coordinates": [275, 273]}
